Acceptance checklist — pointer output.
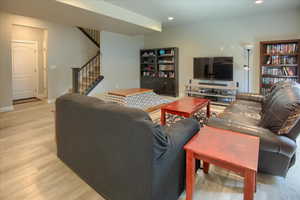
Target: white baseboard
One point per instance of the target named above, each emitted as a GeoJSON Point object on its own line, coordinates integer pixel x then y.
{"type": "Point", "coordinates": [51, 101]}
{"type": "Point", "coordinates": [41, 96]}
{"type": "Point", "coordinates": [6, 109]}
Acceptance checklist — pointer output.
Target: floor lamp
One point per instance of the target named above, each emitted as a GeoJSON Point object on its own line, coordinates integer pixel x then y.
{"type": "Point", "coordinates": [248, 48]}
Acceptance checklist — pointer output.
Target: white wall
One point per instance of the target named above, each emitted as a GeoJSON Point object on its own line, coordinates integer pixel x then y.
{"type": "Point", "coordinates": [225, 38]}
{"type": "Point", "coordinates": [67, 47]}
{"type": "Point", "coordinates": [120, 61]}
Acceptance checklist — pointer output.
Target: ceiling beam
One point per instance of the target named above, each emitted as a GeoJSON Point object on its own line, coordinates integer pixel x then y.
{"type": "Point", "coordinates": [110, 10]}
{"type": "Point", "coordinates": [83, 16]}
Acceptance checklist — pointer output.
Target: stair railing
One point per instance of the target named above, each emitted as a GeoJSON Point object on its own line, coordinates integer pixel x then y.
{"type": "Point", "coordinates": [85, 77]}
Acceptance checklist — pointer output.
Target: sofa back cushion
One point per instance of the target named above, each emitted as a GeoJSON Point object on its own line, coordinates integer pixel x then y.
{"type": "Point", "coordinates": [113, 142]}
{"type": "Point", "coordinates": [272, 95]}
{"type": "Point", "coordinates": [283, 111]}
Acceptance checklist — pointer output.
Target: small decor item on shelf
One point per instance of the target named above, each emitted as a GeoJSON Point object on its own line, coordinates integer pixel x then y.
{"type": "Point", "coordinates": [148, 54]}
{"type": "Point", "coordinates": [145, 54]}
{"type": "Point", "coordinates": [162, 52]}
{"type": "Point", "coordinates": [151, 54]}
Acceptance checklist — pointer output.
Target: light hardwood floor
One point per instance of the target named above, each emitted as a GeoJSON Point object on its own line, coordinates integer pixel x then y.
{"type": "Point", "coordinates": [30, 170]}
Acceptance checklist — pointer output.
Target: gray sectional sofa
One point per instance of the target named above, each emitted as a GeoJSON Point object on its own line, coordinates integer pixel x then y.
{"type": "Point", "coordinates": [119, 151]}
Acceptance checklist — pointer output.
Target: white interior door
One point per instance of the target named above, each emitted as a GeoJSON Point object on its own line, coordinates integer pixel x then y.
{"type": "Point", "coordinates": [24, 69]}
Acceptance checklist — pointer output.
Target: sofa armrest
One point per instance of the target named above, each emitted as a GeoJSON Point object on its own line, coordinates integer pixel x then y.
{"type": "Point", "coordinates": [251, 97]}
{"type": "Point", "coordinates": [181, 132]}
{"type": "Point", "coordinates": [269, 141]}
{"type": "Point", "coordinates": [169, 169]}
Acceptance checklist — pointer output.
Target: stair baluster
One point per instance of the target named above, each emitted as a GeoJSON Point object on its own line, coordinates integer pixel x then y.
{"type": "Point", "coordinates": [88, 76]}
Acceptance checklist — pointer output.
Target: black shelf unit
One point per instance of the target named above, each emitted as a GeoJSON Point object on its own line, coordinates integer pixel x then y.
{"type": "Point", "coordinates": [159, 70]}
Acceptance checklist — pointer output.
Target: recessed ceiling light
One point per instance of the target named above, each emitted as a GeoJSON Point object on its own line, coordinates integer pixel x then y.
{"type": "Point", "coordinates": [259, 1]}
{"type": "Point", "coordinates": [170, 18]}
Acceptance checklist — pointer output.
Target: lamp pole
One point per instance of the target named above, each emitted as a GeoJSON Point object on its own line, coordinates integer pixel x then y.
{"type": "Point", "coordinates": [248, 50]}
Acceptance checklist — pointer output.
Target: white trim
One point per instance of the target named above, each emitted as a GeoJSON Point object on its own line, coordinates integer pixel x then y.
{"type": "Point", "coordinates": [41, 96]}
{"type": "Point", "coordinates": [25, 41]}
{"type": "Point", "coordinates": [37, 77]}
{"type": "Point", "coordinates": [45, 63]}
{"type": "Point", "coordinates": [6, 109]}
{"type": "Point", "coordinates": [51, 101]}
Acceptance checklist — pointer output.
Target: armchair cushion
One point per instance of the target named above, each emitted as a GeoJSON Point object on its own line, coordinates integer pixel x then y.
{"type": "Point", "coordinates": [269, 141]}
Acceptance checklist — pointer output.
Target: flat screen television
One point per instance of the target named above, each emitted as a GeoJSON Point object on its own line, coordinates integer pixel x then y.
{"type": "Point", "coordinates": [214, 68]}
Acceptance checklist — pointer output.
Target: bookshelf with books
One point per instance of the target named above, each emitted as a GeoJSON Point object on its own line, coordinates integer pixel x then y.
{"type": "Point", "coordinates": [279, 61]}
{"type": "Point", "coordinates": [159, 70]}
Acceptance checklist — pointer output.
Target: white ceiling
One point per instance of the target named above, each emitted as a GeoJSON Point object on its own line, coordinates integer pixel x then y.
{"type": "Point", "coordinates": [80, 14]}
{"type": "Point", "coordinates": [187, 11]}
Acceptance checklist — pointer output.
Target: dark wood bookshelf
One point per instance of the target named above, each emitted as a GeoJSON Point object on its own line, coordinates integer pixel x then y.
{"type": "Point", "coordinates": [279, 61]}
{"type": "Point", "coordinates": [159, 70]}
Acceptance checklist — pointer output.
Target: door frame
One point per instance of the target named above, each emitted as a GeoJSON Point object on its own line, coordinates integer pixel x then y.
{"type": "Point", "coordinates": [36, 67]}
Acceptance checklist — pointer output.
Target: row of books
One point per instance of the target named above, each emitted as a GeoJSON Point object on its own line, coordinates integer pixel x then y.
{"type": "Point", "coordinates": [269, 81]}
{"type": "Point", "coordinates": [283, 71]}
{"type": "Point", "coordinates": [166, 67]}
{"type": "Point", "coordinates": [281, 60]}
{"type": "Point", "coordinates": [282, 48]}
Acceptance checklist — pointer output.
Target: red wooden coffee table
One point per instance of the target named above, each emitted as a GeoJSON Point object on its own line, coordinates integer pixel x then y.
{"type": "Point", "coordinates": [231, 150]}
{"type": "Point", "coordinates": [185, 107]}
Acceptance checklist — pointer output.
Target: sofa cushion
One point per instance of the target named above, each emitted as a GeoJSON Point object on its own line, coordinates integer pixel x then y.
{"type": "Point", "coordinates": [283, 111]}
{"type": "Point", "coordinates": [243, 111]}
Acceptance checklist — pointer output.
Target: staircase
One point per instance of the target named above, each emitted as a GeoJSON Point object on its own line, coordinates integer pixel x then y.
{"type": "Point", "coordinates": [87, 77]}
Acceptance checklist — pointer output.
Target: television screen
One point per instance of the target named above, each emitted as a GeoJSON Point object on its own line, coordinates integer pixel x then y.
{"type": "Point", "coordinates": [216, 68]}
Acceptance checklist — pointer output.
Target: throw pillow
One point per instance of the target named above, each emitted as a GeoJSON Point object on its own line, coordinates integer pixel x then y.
{"type": "Point", "coordinates": [283, 111]}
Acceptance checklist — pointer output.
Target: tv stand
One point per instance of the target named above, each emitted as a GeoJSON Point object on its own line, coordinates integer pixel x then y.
{"type": "Point", "coordinates": [221, 93]}
{"type": "Point", "coordinates": [216, 84]}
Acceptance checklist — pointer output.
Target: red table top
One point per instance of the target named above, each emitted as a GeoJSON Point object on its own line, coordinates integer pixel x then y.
{"type": "Point", "coordinates": [230, 147]}
{"type": "Point", "coordinates": [186, 104]}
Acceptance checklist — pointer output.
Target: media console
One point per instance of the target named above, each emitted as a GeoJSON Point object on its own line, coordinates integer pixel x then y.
{"type": "Point", "coordinates": [220, 93]}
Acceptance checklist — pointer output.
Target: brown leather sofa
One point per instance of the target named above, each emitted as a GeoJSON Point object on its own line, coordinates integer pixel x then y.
{"type": "Point", "coordinates": [274, 118]}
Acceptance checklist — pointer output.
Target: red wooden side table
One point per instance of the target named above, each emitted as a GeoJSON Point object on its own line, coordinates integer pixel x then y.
{"type": "Point", "coordinates": [185, 107]}
{"type": "Point", "coordinates": [230, 150]}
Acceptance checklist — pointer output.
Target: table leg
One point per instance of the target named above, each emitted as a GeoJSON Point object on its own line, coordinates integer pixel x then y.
{"type": "Point", "coordinates": [249, 182]}
{"type": "Point", "coordinates": [205, 167]}
{"type": "Point", "coordinates": [163, 117]}
{"type": "Point", "coordinates": [208, 110]}
{"type": "Point", "coordinates": [255, 183]}
{"type": "Point", "coordinates": [190, 175]}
